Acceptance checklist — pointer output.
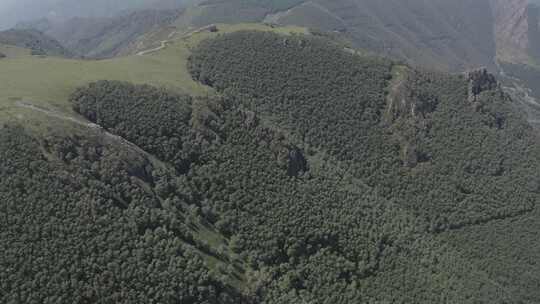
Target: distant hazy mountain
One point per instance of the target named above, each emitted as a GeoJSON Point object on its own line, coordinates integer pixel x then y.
{"type": "Point", "coordinates": [13, 11]}
{"type": "Point", "coordinates": [450, 35]}
{"type": "Point", "coordinates": [101, 37]}
{"type": "Point", "coordinates": [38, 42]}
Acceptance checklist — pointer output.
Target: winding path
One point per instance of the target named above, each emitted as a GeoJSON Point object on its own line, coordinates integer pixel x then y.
{"type": "Point", "coordinates": [159, 48]}
{"type": "Point", "coordinates": [28, 105]}
{"type": "Point", "coordinates": [87, 124]}
{"type": "Point", "coordinates": [172, 34]}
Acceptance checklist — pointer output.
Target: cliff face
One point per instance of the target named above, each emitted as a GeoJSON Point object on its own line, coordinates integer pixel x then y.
{"type": "Point", "coordinates": [533, 18]}
{"type": "Point", "coordinates": [517, 33]}
{"type": "Point", "coordinates": [511, 29]}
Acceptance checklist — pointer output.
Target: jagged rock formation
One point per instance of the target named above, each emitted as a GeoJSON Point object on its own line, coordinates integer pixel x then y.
{"type": "Point", "coordinates": [480, 80]}
{"type": "Point", "coordinates": [409, 107]}
{"type": "Point", "coordinates": [297, 162]}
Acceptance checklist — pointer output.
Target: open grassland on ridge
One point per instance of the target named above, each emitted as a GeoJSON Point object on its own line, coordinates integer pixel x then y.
{"type": "Point", "coordinates": [47, 82]}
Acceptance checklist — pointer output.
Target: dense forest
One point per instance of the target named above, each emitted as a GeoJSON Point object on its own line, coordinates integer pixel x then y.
{"type": "Point", "coordinates": [290, 222]}
{"type": "Point", "coordinates": [158, 122]}
{"type": "Point", "coordinates": [463, 168]}
{"type": "Point", "coordinates": [82, 224]}
{"type": "Point", "coordinates": [331, 177]}
{"type": "Point", "coordinates": [452, 152]}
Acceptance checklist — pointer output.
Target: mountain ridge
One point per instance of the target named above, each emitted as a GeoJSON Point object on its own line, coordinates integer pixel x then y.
{"type": "Point", "coordinates": [104, 37]}
{"type": "Point", "coordinates": [261, 163]}
{"type": "Point", "coordinates": [38, 42]}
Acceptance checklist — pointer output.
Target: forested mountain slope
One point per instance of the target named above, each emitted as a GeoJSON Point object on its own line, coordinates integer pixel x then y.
{"type": "Point", "coordinates": [349, 121]}
{"type": "Point", "coordinates": [436, 147]}
{"type": "Point", "coordinates": [82, 224]}
{"type": "Point", "coordinates": [312, 175]}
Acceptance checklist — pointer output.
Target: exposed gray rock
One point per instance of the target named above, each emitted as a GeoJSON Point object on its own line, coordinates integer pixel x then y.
{"type": "Point", "coordinates": [480, 80]}
{"type": "Point", "coordinates": [297, 163]}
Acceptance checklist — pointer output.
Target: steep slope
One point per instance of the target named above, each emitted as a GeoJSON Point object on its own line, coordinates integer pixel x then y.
{"type": "Point", "coordinates": [39, 43]}
{"type": "Point", "coordinates": [83, 223]}
{"type": "Point", "coordinates": [517, 30]}
{"type": "Point", "coordinates": [236, 11]}
{"type": "Point", "coordinates": [511, 30]}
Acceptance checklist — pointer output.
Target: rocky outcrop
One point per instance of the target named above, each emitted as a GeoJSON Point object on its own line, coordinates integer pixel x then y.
{"type": "Point", "coordinates": [479, 81]}
{"type": "Point", "coordinates": [297, 163]}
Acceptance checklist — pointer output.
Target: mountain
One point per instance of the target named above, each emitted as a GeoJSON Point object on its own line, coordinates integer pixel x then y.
{"type": "Point", "coordinates": [235, 11]}
{"type": "Point", "coordinates": [344, 151]}
{"type": "Point", "coordinates": [450, 35]}
{"type": "Point", "coordinates": [103, 37]}
{"type": "Point", "coordinates": [15, 11]}
{"type": "Point", "coordinates": [38, 42]}
{"type": "Point", "coordinates": [455, 36]}
{"type": "Point", "coordinates": [263, 164]}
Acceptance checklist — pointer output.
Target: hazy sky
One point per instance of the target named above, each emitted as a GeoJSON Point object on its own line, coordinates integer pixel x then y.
{"type": "Point", "coordinates": [12, 11]}
{"type": "Point", "coordinates": [6, 3]}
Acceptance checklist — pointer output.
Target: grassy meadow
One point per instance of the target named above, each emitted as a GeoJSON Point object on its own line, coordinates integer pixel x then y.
{"type": "Point", "coordinates": [47, 82]}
